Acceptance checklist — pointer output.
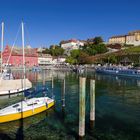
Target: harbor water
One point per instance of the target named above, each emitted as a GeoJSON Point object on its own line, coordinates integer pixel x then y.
{"type": "Point", "coordinates": [117, 108]}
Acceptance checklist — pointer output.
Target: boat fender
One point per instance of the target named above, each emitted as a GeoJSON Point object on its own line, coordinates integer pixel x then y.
{"type": "Point", "coordinates": [46, 105]}
{"type": "Point", "coordinates": [33, 108]}
{"type": "Point", "coordinates": [19, 109]}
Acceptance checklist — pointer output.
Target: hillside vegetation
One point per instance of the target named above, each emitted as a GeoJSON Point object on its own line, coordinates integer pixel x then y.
{"type": "Point", "coordinates": [132, 49]}
{"type": "Point", "coordinates": [132, 53]}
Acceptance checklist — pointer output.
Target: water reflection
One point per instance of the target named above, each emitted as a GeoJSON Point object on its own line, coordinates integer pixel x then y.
{"type": "Point", "coordinates": [118, 104]}
{"type": "Point", "coordinates": [117, 109]}
{"type": "Point", "coordinates": [123, 88]}
{"type": "Point", "coordinates": [16, 129]}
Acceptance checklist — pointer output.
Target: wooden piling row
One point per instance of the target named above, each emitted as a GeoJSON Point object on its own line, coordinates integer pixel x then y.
{"type": "Point", "coordinates": [82, 96]}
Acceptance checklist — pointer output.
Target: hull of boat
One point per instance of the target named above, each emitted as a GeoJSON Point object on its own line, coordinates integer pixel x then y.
{"type": "Point", "coordinates": [25, 114]}
{"type": "Point", "coordinates": [8, 87]}
{"type": "Point", "coordinates": [14, 91]}
{"type": "Point", "coordinates": [129, 75]}
{"type": "Point", "coordinates": [118, 73]}
{"type": "Point", "coordinates": [107, 72]}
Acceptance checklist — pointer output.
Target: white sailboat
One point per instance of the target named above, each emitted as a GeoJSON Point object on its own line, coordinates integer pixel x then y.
{"type": "Point", "coordinates": [28, 107]}
{"type": "Point", "coordinates": [25, 109]}
{"type": "Point", "coordinates": [8, 85]}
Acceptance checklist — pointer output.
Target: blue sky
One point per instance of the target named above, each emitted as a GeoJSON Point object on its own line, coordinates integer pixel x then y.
{"type": "Point", "coordinates": [50, 21]}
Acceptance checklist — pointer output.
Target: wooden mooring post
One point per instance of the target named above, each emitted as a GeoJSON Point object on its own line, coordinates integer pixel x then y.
{"type": "Point", "coordinates": [63, 93]}
{"type": "Point", "coordinates": [52, 83]}
{"type": "Point", "coordinates": [52, 87]}
{"type": "Point", "coordinates": [63, 99]}
{"type": "Point", "coordinates": [92, 102]}
{"type": "Point", "coordinates": [43, 78]}
{"type": "Point", "coordinates": [82, 90]}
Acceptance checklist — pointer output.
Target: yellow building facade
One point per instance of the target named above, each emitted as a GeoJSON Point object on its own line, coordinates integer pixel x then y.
{"type": "Point", "coordinates": [117, 39]}
{"type": "Point", "coordinates": [133, 38]}
{"type": "Point", "coordinates": [136, 34]}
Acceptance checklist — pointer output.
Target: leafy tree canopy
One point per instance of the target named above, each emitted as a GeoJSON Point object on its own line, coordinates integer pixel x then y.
{"type": "Point", "coordinates": [54, 50]}
{"type": "Point", "coordinates": [98, 40]}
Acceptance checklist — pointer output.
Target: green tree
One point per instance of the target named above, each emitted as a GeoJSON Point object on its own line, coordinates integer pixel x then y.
{"type": "Point", "coordinates": [56, 50]}
{"type": "Point", "coordinates": [98, 40]}
{"type": "Point", "coordinates": [46, 51]}
{"type": "Point", "coordinates": [93, 49]}
{"type": "Point", "coordinates": [62, 42]}
{"type": "Point", "coordinates": [74, 57]}
{"type": "Point", "coordinates": [71, 60]}
{"type": "Point", "coordinates": [112, 59]}
{"type": "Point", "coordinates": [77, 57]}
{"type": "Point", "coordinates": [75, 53]}
{"type": "Point", "coordinates": [83, 57]}
{"type": "Point", "coordinates": [101, 48]}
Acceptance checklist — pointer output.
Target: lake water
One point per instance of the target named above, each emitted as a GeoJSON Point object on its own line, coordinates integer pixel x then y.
{"type": "Point", "coordinates": [117, 109]}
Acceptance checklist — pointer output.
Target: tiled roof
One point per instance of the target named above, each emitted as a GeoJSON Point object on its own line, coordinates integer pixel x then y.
{"type": "Point", "coordinates": [28, 51]}
{"type": "Point", "coordinates": [132, 32]}
{"type": "Point", "coordinates": [69, 41]}
{"type": "Point", "coordinates": [118, 36]}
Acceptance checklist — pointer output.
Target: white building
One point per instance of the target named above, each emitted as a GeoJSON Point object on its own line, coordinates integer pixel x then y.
{"type": "Point", "coordinates": [61, 59]}
{"type": "Point", "coordinates": [45, 59]}
{"type": "Point", "coordinates": [133, 38]}
{"type": "Point", "coordinates": [72, 44]}
{"type": "Point", "coordinates": [130, 39]}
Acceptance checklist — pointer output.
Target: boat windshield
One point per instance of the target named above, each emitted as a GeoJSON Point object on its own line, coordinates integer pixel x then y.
{"type": "Point", "coordinates": [16, 105]}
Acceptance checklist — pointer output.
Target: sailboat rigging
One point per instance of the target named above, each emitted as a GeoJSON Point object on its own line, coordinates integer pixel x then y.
{"type": "Point", "coordinates": [10, 85]}
{"type": "Point", "coordinates": [28, 107]}
{"type": "Point", "coordinates": [2, 36]}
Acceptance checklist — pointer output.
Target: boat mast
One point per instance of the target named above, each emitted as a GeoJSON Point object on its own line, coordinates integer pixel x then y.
{"type": "Point", "coordinates": [2, 37]}
{"type": "Point", "coordinates": [23, 53]}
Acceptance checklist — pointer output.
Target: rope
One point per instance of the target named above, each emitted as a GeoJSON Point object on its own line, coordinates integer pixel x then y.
{"type": "Point", "coordinates": [11, 50]}
{"type": "Point", "coordinates": [27, 35]}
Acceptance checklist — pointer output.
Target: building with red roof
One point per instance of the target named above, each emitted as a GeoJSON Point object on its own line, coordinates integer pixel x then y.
{"type": "Point", "coordinates": [16, 58]}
